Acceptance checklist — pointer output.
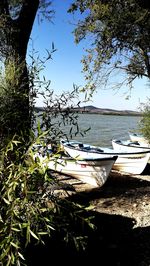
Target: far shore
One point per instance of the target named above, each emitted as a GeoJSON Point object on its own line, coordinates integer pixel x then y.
{"type": "Point", "coordinates": [100, 111]}
{"type": "Point", "coordinates": [121, 113]}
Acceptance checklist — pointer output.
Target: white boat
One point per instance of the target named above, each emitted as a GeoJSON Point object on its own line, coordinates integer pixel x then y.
{"type": "Point", "coordinates": [128, 162]}
{"type": "Point", "coordinates": [138, 137]}
{"type": "Point", "coordinates": [92, 171]}
{"type": "Point", "coordinates": [128, 145]}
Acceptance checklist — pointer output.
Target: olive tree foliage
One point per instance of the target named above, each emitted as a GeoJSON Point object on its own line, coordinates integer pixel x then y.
{"type": "Point", "coordinates": [119, 34]}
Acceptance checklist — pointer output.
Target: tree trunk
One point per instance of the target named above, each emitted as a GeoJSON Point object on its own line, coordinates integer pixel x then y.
{"type": "Point", "coordinates": [15, 36]}
{"type": "Point", "coordinates": [17, 85]}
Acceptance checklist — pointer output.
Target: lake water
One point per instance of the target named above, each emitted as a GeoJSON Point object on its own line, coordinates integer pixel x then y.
{"type": "Point", "coordinates": [106, 127]}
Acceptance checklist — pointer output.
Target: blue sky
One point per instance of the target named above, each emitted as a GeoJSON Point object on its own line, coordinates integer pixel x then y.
{"type": "Point", "coordinates": [65, 69]}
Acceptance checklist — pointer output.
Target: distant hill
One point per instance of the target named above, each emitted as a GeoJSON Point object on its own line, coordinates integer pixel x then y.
{"type": "Point", "coordinates": [95, 110]}
{"type": "Point", "coordinates": [105, 111]}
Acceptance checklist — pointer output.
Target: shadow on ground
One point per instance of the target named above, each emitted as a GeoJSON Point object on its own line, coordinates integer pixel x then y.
{"type": "Point", "coordinates": [114, 243]}
{"type": "Point", "coordinates": [146, 170]}
{"type": "Point", "coordinates": [124, 187]}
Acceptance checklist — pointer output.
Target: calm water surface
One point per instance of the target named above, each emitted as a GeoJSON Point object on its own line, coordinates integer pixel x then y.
{"type": "Point", "coordinates": [106, 127]}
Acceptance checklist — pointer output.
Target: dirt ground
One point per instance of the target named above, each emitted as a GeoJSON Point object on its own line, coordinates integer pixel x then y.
{"type": "Point", "coordinates": [121, 211]}
{"type": "Point", "coordinates": [122, 194]}
{"type": "Point", "coordinates": [122, 215]}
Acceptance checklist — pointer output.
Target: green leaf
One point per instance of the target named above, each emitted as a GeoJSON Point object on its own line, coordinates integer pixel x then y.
{"type": "Point", "coordinates": [42, 233]}
{"type": "Point", "coordinates": [21, 256]}
{"type": "Point", "coordinates": [6, 201]}
{"type": "Point", "coordinates": [34, 235]}
{"type": "Point", "coordinates": [15, 229]}
{"type": "Point", "coordinates": [14, 245]}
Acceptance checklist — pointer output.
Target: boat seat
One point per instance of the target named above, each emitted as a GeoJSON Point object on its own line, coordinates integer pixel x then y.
{"type": "Point", "coordinates": [134, 143]}
{"type": "Point", "coordinates": [97, 150]}
{"type": "Point", "coordinates": [118, 141]}
{"type": "Point", "coordinates": [81, 145]}
{"type": "Point", "coordinates": [71, 145]}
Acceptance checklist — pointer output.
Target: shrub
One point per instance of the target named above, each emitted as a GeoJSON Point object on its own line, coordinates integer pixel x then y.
{"type": "Point", "coordinates": [29, 208]}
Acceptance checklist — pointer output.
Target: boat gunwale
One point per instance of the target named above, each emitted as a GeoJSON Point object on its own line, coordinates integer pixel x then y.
{"type": "Point", "coordinates": [117, 153]}
{"type": "Point", "coordinates": [131, 144]}
{"type": "Point", "coordinates": [126, 145]}
{"type": "Point", "coordinates": [69, 158]}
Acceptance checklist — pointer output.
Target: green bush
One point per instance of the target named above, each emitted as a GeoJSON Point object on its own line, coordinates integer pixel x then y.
{"type": "Point", "coordinates": [144, 124]}
{"type": "Point", "coordinates": [29, 208]}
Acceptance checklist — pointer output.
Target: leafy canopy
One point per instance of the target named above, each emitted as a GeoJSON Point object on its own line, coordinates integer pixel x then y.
{"type": "Point", "coordinates": [119, 34]}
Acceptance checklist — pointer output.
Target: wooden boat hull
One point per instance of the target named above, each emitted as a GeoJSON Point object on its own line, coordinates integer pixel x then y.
{"type": "Point", "coordinates": [129, 146]}
{"type": "Point", "coordinates": [141, 155]}
{"type": "Point", "coordinates": [93, 172]}
{"type": "Point", "coordinates": [132, 164]}
{"type": "Point", "coordinates": [128, 162]}
{"type": "Point", "coordinates": [88, 151]}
